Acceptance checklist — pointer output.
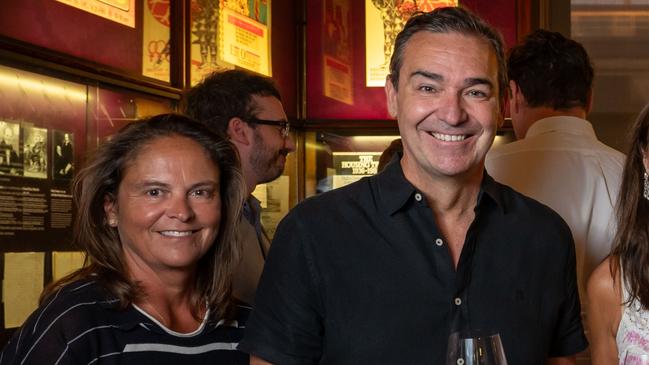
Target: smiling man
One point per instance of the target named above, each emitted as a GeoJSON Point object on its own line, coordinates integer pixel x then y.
{"type": "Point", "coordinates": [384, 270]}
{"type": "Point", "coordinates": [247, 108]}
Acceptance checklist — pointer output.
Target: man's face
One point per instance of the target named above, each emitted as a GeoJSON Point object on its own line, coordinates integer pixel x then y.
{"type": "Point", "coordinates": [447, 104]}
{"type": "Point", "coordinates": [269, 149]}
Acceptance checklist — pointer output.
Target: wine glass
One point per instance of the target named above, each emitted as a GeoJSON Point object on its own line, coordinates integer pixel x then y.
{"type": "Point", "coordinates": [474, 347]}
{"type": "Point", "coordinates": [635, 357]}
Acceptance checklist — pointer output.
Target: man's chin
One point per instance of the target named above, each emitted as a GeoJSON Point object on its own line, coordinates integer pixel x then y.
{"type": "Point", "coordinates": [274, 176]}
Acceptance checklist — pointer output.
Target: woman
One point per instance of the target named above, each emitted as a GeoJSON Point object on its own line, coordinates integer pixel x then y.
{"type": "Point", "coordinates": [618, 289]}
{"type": "Point", "coordinates": [156, 215]}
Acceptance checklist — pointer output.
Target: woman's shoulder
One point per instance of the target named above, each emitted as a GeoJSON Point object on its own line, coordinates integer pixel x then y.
{"type": "Point", "coordinates": [604, 283]}
{"type": "Point", "coordinates": [68, 312]}
{"type": "Point", "coordinates": [75, 303]}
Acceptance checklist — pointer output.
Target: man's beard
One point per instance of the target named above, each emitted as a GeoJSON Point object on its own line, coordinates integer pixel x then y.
{"type": "Point", "coordinates": [265, 162]}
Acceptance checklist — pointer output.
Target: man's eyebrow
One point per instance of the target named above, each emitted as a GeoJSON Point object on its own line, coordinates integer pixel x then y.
{"type": "Point", "coordinates": [429, 75]}
{"type": "Point", "coordinates": [149, 183]}
{"type": "Point", "coordinates": [467, 82]}
{"type": "Point", "coordinates": [478, 81]}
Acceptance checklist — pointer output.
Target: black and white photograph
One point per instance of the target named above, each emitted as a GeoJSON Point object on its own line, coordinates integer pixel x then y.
{"type": "Point", "coordinates": [35, 152]}
{"type": "Point", "coordinates": [62, 155]}
{"type": "Point", "coordinates": [10, 156]}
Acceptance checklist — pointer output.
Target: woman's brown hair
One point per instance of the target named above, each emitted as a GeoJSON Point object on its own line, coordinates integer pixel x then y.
{"type": "Point", "coordinates": [100, 180]}
{"type": "Point", "coordinates": [631, 243]}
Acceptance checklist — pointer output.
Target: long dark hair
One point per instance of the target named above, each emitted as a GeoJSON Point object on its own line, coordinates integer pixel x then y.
{"type": "Point", "coordinates": [100, 180]}
{"type": "Point", "coordinates": [631, 243]}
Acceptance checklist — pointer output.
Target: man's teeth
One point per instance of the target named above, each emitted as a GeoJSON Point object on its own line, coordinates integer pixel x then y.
{"type": "Point", "coordinates": [449, 137]}
{"type": "Point", "coordinates": [176, 233]}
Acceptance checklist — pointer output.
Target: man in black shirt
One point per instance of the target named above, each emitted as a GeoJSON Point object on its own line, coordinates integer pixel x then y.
{"type": "Point", "coordinates": [384, 270]}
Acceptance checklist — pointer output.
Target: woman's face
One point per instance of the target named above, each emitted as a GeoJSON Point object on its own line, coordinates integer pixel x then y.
{"type": "Point", "coordinates": [168, 206]}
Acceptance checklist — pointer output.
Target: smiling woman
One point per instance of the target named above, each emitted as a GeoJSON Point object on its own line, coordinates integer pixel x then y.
{"type": "Point", "coordinates": [157, 208]}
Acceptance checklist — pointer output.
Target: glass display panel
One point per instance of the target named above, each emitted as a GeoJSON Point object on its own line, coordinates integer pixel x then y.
{"type": "Point", "coordinates": [338, 158]}
{"type": "Point", "coordinates": [42, 140]}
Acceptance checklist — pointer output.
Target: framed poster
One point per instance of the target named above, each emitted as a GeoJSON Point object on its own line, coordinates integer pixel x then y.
{"type": "Point", "coordinates": [119, 11]}
{"type": "Point", "coordinates": [337, 53]}
{"type": "Point", "coordinates": [384, 19]}
{"type": "Point", "coordinates": [244, 30]}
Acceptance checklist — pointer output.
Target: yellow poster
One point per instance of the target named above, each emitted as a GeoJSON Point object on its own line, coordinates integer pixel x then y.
{"type": "Point", "coordinates": [22, 284]}
{"type": "Point", "coordinates": [204, 40]}
{"type": "Point", "coordinates": [337, 56]}
{"type": "Point", "coordinates": [64, 263]}
{"type": "Point", "coordinates": [384, 19]}
{"type": "Point", "coordinates": [119, 11]}
{"type": "Point", "coordinates": [155, 40]}
{"type": "Point", "coordinates": [244, 37]}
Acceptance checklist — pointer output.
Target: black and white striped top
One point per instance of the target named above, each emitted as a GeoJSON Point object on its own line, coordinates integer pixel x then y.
{"type": "Point", "coordinates": [82, 325]}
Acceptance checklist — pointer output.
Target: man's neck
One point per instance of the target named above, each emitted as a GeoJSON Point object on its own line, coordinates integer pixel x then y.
{"type": "Point", "coordinates": [533, 114]}
{"type": "Point", "coordinates": [446, 194]}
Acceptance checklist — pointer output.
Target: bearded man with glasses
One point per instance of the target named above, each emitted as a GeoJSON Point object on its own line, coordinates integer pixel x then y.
{"type": "Point", "coordinates": [247, 108]}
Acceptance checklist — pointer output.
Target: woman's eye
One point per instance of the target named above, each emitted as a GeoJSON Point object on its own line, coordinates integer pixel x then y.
{"type": "Point", "coordinates": [204, 193]}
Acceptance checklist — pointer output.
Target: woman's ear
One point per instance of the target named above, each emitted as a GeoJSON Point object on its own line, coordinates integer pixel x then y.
{"type": "Point", "coordinates": [110, 209]}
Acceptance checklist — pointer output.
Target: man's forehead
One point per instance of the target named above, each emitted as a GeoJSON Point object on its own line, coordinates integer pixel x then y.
{"type": "Point", "coordinates": [422, 51]}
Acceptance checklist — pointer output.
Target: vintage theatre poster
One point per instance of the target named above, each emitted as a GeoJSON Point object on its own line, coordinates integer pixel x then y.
{"type": "Point", "coordinates": [244, 34]}
{"type": "Point", "coordinates": [155, 40]}
{"type": "Point", "coordinates": [384, 19]}
{"type": "Point", "coordinates": [337, 55]}
{"type": "Point", "coordinates": [119, 11]}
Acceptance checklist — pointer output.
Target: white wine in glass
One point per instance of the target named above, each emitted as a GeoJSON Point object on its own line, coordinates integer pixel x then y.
{"type": "Point", "coordinates": [475, 348]}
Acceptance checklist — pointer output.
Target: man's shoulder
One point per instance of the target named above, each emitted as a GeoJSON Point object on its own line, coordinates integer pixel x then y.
{"type": "Point", "coordinates": [524, 207]}
{"type": "Point", "coordinates": [339, 198]}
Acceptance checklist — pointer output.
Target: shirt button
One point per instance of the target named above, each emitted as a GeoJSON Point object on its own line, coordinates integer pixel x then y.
{"type": "Point", "coordinates": [457, 301]}
{"type": "Point", "coordinates": [418, 197]}
{"type": "Point", "coordinates": [439, 242]}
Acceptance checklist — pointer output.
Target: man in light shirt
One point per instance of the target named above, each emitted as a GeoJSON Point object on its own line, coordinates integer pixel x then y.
{"type": "Point", "coordinates": [558, 159]}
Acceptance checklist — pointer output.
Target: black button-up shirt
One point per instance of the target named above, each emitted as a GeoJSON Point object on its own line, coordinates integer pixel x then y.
{"type": "Point", "coordinates": [362, 275]}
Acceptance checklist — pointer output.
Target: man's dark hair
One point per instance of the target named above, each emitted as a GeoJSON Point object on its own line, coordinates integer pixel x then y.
{"type": "Point", "coordinates": [222, 96]}
{"type": "Point", "coordinates": [551, 70]}
{"type": "Point", "coordinates": [449, 20]}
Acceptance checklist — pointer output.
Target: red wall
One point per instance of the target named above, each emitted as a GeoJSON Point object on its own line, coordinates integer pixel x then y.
{"type": "Point", "coordinates": [369, 102]}
{"type": "Point", "coordinates": [60, 27]}
{"type": "Point", "coordinates": [284, 30]}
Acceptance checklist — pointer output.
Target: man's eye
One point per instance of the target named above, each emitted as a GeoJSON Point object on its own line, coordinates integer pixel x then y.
{"type": "Point", "coordinates": [154, 192]}
{"type": "Point", "coordinates": [477, 93]}
{"type": "Point", "coordinates": [426, 88]}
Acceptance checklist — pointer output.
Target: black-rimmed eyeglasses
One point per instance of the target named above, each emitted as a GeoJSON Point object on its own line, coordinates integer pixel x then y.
{"type": "Point", "coordinates": [285, 126]}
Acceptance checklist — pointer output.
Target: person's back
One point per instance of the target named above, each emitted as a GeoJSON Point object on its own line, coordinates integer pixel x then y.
{"type": "Point", "coordinates": [558, 159]}
{"type": "Point", "coordinates": [574, 174]}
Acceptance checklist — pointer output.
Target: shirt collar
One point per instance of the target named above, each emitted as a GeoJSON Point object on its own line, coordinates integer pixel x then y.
{"type": "Point", "coordinates": [394, 191]}
{"type": "Point", "coordinates": [251, 209]}
{"type": "Point", "coordinates": [564, 124]}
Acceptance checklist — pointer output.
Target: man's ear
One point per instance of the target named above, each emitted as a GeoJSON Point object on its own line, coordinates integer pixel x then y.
{"type": "Point", "coordinates": [589, 101]}
{"type": "Point", "coordinates": [391, 97]}
{"type": "Point", "coordinates": [515, 96]}
{"type": "Point", "coordinates": [110, 209]}
{"type": "Point", "coordinates": [239, 131]}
